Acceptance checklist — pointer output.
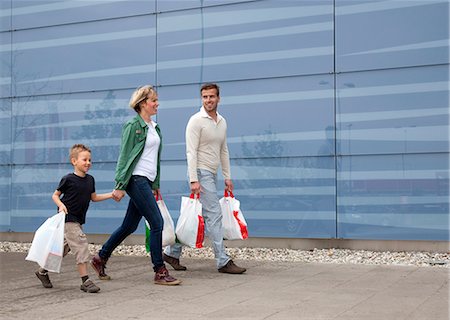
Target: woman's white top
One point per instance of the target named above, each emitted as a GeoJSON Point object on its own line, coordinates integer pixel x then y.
{"type": "Point", "coordinates": [147, 164]}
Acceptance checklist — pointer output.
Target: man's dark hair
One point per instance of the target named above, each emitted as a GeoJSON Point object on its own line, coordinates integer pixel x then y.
{"type": "Point", "coordinates": [208, 86]}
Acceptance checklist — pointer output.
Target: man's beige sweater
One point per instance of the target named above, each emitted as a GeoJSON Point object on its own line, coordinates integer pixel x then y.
{"type": "Point", "coordinates": [206, 145]}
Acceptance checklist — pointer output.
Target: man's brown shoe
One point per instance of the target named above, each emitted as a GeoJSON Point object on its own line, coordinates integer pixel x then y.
{"type": "Point", "coordinates": [99, 265]}
{"type": "Point", "coordinates": [231, 268]}
{"type": "Point", "coordinates": [174, 262]}
{"type": "Point", "coordinates": [162, 277]}
{"type": "Point", "coordinates": [44, 279]}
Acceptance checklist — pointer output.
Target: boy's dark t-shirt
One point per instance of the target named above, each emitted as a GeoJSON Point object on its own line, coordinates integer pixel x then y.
{"type": "Point", "coordinates": [76, 195]}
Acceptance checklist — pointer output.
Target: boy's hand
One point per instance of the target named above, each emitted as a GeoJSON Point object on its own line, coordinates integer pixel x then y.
{"type": "Point", "coordinates": [63, 208]}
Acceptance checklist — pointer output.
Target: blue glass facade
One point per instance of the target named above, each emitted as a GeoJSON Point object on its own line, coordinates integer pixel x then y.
{"type": "Point", "coordinates": [338, 110]}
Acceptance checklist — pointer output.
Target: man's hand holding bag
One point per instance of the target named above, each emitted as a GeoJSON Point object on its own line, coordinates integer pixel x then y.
{"type": "Point", "coordinates": [190, 228]}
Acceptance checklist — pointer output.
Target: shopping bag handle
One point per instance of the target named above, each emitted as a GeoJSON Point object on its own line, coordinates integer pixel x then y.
{"type": "Point", "coordinates": [227, 193]}
{"type": "Point", "coordinates": [192, 196]}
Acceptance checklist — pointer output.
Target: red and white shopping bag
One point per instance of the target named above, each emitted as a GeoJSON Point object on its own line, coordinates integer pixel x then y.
{"type": "Point", "coordinates": [190, 229]}
{"type": "Point", "coordinates": [233, 221]}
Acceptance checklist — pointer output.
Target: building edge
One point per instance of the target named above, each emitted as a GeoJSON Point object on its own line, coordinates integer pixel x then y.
{"type": "Point", "coordinates": [285, 243]}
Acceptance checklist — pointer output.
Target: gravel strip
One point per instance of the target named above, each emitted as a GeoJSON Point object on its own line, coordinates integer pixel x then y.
{"type": "Point", "coordinates": [419, 259]}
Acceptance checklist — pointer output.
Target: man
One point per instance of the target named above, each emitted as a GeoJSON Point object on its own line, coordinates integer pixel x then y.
{"type": "Point", "coordinates": [206, 150]}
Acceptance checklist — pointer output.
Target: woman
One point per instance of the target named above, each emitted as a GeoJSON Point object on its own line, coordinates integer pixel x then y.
{"type": "Point", "coordinates": [138, 174]}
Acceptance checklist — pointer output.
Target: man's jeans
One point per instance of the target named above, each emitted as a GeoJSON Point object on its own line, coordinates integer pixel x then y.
{"type": "Point", "coordinates": [142, 204]}
{"type": "Point", "coordinates": [212, 214]}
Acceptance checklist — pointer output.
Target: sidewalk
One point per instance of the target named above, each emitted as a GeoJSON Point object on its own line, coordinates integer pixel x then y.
{"type": "Point", "coordinates": [269, 290]}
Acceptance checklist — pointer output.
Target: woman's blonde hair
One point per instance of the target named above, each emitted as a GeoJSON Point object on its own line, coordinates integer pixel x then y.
{"type": "Point", "coordinates": [139, 95]}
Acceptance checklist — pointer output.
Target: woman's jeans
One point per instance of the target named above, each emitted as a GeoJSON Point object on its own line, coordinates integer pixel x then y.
{"type": "Point", "coordinates": [142, 204]}
{"type": "Point", "coordinates": [212, 214]}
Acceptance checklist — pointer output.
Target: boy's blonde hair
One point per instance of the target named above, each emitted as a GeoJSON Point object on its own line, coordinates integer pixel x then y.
{"type": "Point", "coordinates": [139, 95]}
{"type": "Point", "coordinates": [76, 149]}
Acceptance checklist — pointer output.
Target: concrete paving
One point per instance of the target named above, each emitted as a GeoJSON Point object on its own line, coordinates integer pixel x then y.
{"type": "Point", "coordinates": [269, 290]}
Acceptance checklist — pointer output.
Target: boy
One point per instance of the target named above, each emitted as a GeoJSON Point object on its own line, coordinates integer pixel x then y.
{"type": "Point", "coordinates": [78, 189]}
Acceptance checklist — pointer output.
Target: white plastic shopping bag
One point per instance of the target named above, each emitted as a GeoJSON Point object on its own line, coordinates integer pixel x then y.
{"type": "Point", "coordinates": [190, 229]}
{"type": "Point", "coordinates": [233, 221]}
{"type": "Point", "coordinates": [168, 234]}
{"type": "Point", "coordinates": [47, 247]}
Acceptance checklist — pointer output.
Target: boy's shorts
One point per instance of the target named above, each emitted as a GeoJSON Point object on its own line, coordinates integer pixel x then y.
{"type": "Point", "coordinates": [76, 241]}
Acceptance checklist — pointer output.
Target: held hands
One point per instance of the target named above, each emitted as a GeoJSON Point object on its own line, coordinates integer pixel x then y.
{"type": "Point", "coordinates": [117, 195]}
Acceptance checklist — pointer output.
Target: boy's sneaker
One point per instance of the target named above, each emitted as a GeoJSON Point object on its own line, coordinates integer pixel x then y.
{"type": "Point", "coordinates": [99, 265]}
{"type": "Point", "coordinates": [44, 279]}
{"type": "Point", "coordinates": [89, 286]}
{"type": "Point", "coordinates": [162, 277]}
